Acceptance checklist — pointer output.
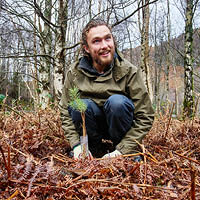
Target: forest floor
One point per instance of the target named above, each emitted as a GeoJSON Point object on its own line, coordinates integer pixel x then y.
{"type": "Point", "coordinates": [34, 162]}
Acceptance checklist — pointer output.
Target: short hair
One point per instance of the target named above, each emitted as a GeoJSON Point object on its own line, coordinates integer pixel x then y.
{"type": "Point", "coordinates": [91, 24]}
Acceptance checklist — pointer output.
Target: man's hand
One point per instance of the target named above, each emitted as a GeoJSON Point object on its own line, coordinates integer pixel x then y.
{"type": "Point", "coordinates": [78, 152]}
{"type": "Point", "coordinates": [112, 154]}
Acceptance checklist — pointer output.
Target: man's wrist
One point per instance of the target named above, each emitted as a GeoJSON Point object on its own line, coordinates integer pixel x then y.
{"type": "Point", "coordinates": [76, 145]}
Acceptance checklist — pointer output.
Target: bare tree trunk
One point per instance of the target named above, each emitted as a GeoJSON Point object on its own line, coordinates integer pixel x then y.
{"type": "Point", "coordinates": [129, 38]}
{"type": "Point", "coordinates": [176, 93]}
{"type": "Point", "coordinates": [90, 9]}
{"type": "Point", "coordinates": [35, 95]}
{"type": "Point", "coordinates": [45, 47]}
{"type": "Point", "coordinates": [159, 95]}
{"type": "Point", "coordinates": [156, 55]}
{"type": "Point", "coordinates": [99, 5]}
{"type": "Point", "coordinates": [145, 47]}
{"type": "Point", "coordinates": [168, 53]}
{"type": "Point", "coordinates": [60, 49]}
{"type": "Point", "coordinates": [188, 61]}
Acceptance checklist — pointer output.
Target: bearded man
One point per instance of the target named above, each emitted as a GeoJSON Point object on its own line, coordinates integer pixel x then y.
{"type": "Point", "coordinates": [119, 109]}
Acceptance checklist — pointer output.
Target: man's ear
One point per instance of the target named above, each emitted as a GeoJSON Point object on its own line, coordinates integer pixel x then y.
{"type": "Point", "coordinates": [86, 48]}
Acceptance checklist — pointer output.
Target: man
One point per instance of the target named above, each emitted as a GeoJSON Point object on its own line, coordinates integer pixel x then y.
{"type": "Point", "coordinates": [118, 105]}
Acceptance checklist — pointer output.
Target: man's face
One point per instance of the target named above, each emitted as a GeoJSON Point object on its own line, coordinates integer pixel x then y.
{"type": "Point", "coordinates": [100, 46]}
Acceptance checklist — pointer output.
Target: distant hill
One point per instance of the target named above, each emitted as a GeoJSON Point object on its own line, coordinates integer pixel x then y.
{"type": "Point", "coordinates": [157, 58]}
{"type": "Point", "coordinates": [177, 51]}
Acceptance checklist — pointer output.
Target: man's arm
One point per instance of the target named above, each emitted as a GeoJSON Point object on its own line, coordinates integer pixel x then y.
{"type": "Point", "coordinates": [143, 114]}
{"type": "Point", "coordinates": [67, 124]}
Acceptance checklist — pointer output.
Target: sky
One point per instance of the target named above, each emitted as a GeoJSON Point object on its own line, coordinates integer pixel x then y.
{"type": "Point", "coordinates": [177, 20]}
{"type": "Point", "coordinates": [177, 15]}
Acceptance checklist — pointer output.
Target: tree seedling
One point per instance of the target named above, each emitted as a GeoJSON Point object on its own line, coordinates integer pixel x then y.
{"type": "Point", "coordinates": [79, 104]}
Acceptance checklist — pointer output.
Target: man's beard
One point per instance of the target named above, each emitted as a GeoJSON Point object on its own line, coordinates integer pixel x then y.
{"type": "Point", "coordinates": [104, 63]}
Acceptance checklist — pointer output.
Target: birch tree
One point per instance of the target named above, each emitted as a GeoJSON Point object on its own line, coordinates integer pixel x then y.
{"type": "Point", "coordinates": [168, 53]}
{"type": "Point", "coordinates": [169, 62]}
{"type": "Point", "coordinates": [188, 60]}
{"type": "Point", "coordinates": [158, 64]}
{"type": "Point", "coordinates": [45, 48]}
{"type": "Point", "coordinates": [60, 47]}
{"type": "Point", "coordinates": [35, 70]}
{"type": "Point", "coordinates": [144, 30]}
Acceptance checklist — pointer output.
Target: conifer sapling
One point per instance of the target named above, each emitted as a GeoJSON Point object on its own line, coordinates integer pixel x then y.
{"type": "Point", "coordinates": [79, 104]}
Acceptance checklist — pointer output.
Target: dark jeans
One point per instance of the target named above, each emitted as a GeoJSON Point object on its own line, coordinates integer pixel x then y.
{"type": "Point", "coordinates": [111, 122]}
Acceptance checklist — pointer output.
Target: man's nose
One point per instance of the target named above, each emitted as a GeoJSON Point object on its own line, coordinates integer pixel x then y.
{"type": "Point", "coordinates": [104, 44]}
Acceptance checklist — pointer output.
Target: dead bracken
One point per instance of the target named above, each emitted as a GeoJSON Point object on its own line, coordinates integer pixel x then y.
{"type": "Point", "coordinates": [34, 162]}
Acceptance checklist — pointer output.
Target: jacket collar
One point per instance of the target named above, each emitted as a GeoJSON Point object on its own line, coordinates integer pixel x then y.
{"type": "Point", "coordinates": [85, 63]}
{"type": "Point", "coordinates": [119, 67]}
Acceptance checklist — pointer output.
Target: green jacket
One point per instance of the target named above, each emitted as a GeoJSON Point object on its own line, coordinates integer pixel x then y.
{"type": "Point", "coordinates": [123, 78]}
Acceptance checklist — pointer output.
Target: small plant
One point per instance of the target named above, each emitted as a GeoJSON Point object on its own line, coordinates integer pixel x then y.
{"type": "Point", "coordinates": [78, 104]}
{"type": "Point", "coordinates": [2, 97]}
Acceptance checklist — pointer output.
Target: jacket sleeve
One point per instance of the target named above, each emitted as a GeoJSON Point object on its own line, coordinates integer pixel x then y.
{"type": "Point", "coordinates": [143, 114]}
{"type": "Point", "coordinates": [67, 124]}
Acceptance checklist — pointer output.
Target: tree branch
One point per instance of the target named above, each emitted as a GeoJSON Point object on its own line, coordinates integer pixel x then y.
{"type": "Point", "coordinates": [75, 45]}
{"type": "Point", "coordinates": [23, 74]}
{"type": "Point", "coordinates": [38, 11]}
{"type": "Point", "coordinates": [124, 19]}
{"type": "Point", "coordinates": [26, 56]}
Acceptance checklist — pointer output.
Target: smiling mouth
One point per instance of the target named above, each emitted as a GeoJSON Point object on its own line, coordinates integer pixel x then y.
{"type": "Point", "coordinates": [105, 53]}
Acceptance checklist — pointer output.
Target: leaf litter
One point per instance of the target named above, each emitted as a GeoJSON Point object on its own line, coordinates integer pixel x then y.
{"type": "Point", "coordinates": [35, 162]}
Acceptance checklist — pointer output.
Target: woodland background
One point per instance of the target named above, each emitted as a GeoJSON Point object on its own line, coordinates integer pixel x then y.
{"type": "Point", "coordinates": [39, 39]}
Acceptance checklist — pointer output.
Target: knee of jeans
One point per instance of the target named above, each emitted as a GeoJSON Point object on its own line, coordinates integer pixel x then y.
{"type": "Point", "coordinates": [117, 103]}
{"type": "Point", "coordinates": [75, 115]}
{"type": "Point", "coordinates": [92, 107]}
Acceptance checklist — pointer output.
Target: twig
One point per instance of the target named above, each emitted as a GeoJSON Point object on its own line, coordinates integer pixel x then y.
{"type": "Point", "coordinates": [193, 174]}
{"type": "Point", "coordinates": [25, 155]}
{"type": "Point", "coordinates": [84, 173]}
{"type": "Point", "coordinates": [119, 183]}
{"type": "Point", "coordinates": [145, 167]}
{"type": "Point", "coordinates": [190, 159]}
{"type": "Point", "coordinates": [13, 195]}
{"type": "Point", "coordinates": [4, 159]}
{"type": "Point", "coordinates": [147, 152]}
{"type": "Point", "coordinates": [64, 159]}
{"type": "Point", "coordinates": [135, 11]}
{"type": "Point", "coordinates": [9, 165]}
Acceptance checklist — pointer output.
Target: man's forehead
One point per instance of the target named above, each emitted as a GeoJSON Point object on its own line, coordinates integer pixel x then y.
{"type": "Point", "coordinates": [99, 31]}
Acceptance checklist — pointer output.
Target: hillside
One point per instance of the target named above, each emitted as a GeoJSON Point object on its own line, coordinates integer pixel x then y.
{"type": "Point", "coordinates": [157, 60]}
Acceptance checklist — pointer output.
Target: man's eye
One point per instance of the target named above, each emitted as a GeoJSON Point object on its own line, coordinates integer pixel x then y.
{"type": "Point", "coordinates": [96, 41]}
{"type": "Point", "coordinates": [108, 38]}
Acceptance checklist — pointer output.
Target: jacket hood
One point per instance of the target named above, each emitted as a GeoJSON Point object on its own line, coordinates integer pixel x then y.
{"type": "Point", "coordinates": [85, 63]}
